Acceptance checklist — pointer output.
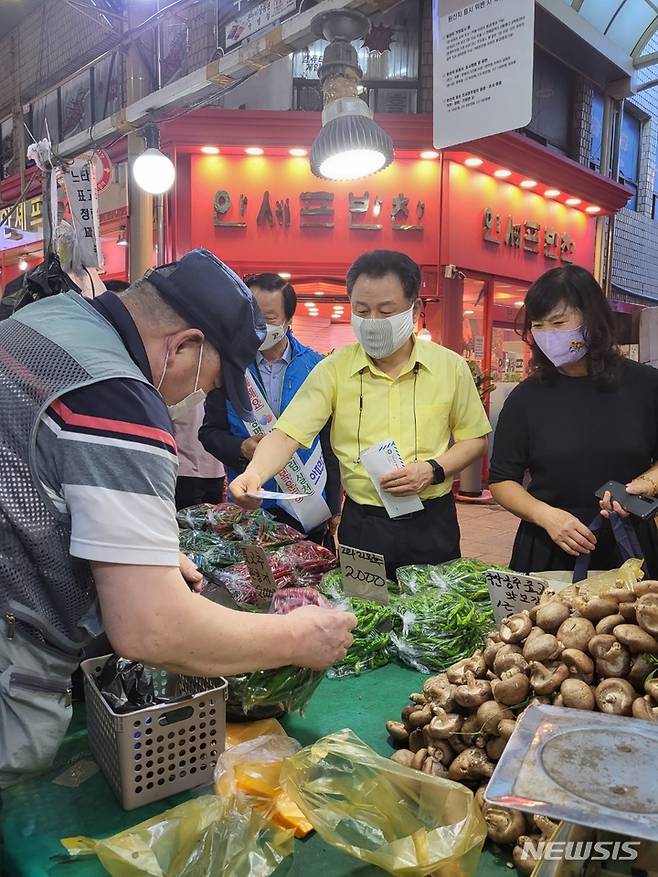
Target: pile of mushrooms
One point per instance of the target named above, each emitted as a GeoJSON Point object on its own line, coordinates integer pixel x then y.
{"type": "Point", "coordinates": [573, 650]}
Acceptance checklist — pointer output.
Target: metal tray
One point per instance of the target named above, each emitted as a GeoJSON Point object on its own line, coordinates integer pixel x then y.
{"type": "Point", "coordinates": [582, 767]}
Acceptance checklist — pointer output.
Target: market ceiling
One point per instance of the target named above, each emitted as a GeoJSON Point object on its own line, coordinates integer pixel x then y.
{"type": "Point", "coordinates": [12, 12]}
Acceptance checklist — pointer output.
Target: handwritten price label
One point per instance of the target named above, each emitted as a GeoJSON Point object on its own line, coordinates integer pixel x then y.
{"type": "Point", "coordinates": [364, 574]}
{"type": "Point", "coordinates": [260, 571]}
{"type": "Point", "coordinates": [510, 593]}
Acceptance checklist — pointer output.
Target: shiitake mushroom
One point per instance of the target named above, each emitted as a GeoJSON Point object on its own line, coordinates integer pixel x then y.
{"type": "Point", "coordinates": [542, 648]}
{"type": "Point", "coordinates": [515, 628]}
{"type": "Point", "coordinates": [577, 695]}
{"type": "Point", "coordinates": [512, 688]}
{"type": "Point", "coordinates": [646, 613]}
{"type": "Point", "coordinates": [636, 639]}
{"type": "Point", "coordinates": [551, 615]}
{"type": "Point", "coordinates": [575, 633]}
{"type": "Point", "coordinates": [615, 696]}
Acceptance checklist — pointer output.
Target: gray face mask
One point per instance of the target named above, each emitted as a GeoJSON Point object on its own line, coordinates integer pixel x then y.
{"type": "Point", "coordinates": [189, 402]}
{"type": "Point", "coordinates": [382, 336]}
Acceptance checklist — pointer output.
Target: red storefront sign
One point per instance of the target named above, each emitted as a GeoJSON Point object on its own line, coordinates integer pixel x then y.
{"type": "Point", "coordinates": [493, 227]}
{"type": "Point", "coordinates": [271, 211]}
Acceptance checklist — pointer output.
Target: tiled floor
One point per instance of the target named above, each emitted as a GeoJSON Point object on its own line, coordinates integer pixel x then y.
{"type": "Point", "coordinates": [487, 532]}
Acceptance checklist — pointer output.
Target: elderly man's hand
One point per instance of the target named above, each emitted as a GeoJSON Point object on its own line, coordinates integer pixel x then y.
{"type": "Point", "coordinates": [190, 573]}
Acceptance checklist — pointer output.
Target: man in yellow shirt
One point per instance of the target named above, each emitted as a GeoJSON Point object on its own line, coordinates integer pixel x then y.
{"type": "Point", "coordinates": [387, 386]}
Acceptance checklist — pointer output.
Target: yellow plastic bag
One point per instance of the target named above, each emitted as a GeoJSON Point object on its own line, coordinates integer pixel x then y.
{"type": "Point", "coordinates": [239, 732]}
{"type": "Point", "coordinates": [628, 575]}
{"type": "Point", "coordinates": [401, 820]}
{"type": "Point", "coordinates": [204, 836]}
{"type": "Point", "coordinates": [253, 769]}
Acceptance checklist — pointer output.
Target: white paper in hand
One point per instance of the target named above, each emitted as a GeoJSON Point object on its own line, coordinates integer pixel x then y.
{"type": "Point", "coordinates": [379, 460]}
{"type": "Point", "coordinates": [274, 494]}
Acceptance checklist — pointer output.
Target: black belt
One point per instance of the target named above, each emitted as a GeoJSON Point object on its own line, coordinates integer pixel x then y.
{"type": "Point", "coordinates": [378, 511]}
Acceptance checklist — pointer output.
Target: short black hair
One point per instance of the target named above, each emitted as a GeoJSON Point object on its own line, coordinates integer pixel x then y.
{"type": "Point", "coordinates": [575, 287]}
{"type": "Point", "coordinates": [379, 263]}
{"type": "Point", "coordinates": [116, 285]}
{"type": "Point", "coordinates": [274, 283]}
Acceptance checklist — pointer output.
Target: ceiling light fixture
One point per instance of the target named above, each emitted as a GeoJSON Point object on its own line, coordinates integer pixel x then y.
{"type": "Point", "coordinates": [429, 154]}
{"type": "Point", "coordinates": [468, 313]}
{"type": "Point", "coordinates": [552, 193]}
{"type": "Point", "coordinates": [254, 150]}
{"type": "Point", "coordinates": [122, 241]}
{"type": "Point", "coordinates": [502, 173]}
{"type": "Point", "coordinates": [153, 171]}
{"type": "Point", "coordinates": [592, 209]}
{"type": "Point", "coordinates": [285, 275]}
{"type": "Point", "coordinates": [519, 304]}
{"type": "Point", "coordinates": [318, 292]}
{"type": "Point", "coordinates": [210, 150]}
{"type": "Point", "coordinates": [528, 184]}
{"type": "Point", "coordinates": [573, 202]}
{"type": "Point", "coordinates": [473, 161]}
{"type": "Point", "coordinates": [310, 304]}
{"type": "Point", "coordinates": [350, 145]}
{"type": "Point", "coordinates": [298, 152]}
{"type": "Point", "coordinates": [23, 264]}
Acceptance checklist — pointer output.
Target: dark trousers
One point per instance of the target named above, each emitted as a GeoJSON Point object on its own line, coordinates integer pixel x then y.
{"type": "Point", "coordinates": [192, 491]}
{"type": "Point", "coordinates": [282, 516]}
{"type": "Point", "coordinates": [430, 536]}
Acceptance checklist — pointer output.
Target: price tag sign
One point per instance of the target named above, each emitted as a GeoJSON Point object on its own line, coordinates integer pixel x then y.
{"type": "Point", "coordinates": [510, 593]}
{"type": "Point", "coordinates": [364, 574]}
{"type": "Point", "coordinates": [260, 570]}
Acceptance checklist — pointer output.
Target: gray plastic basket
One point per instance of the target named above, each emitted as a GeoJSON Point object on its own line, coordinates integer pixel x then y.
{"type": "Point", "coordinates": [161, 750]}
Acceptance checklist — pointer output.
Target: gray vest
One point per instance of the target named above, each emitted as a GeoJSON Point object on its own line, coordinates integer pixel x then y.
{"type": "Point", "coordinates": [46, 350]}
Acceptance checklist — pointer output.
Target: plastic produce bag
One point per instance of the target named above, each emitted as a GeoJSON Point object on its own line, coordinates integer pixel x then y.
{"type": "Point", "coordinates": [401, 820]}
{"type": "Point", "coordinates": [287, 599]}
{"type": "Point", "coordinates": [195, 517]}
{"type": "Point", "coordinates": [270, 693]}
{"type": "Point", "coordinates": [371, 646]}
{"type": "Point", "coordinates": [628, 574]}
{"type": "Point", "coordinates": [222, 518]}
{"type": "Point", "coordinates": [440, 627]}
{"type": "Point", "coordinates": [464, 575]}
{"type": "Point", "coordinates": [261, 529]}
{"type": "Point", "coordinates": [253, 769]}
{"type": "Point", "coordinates": [307, 557]}
{"type": "Point", "coordinates": [202, 837]}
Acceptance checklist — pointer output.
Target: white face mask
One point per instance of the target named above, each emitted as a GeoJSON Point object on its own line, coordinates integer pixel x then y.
{"type": "Point", "coordinates": [382, 337]}
{"type": "Point", "coordinates": [190, 401]}
{"type": "Point", "coordinates": [274, 335]}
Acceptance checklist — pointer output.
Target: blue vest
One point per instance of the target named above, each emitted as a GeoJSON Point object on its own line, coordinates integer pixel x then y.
{"type": "Point", "coordinates": [303, 361]}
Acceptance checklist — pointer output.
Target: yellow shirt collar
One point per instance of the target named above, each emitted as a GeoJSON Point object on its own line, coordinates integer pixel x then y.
{"type": "Point", "coordinates": [419, 354]}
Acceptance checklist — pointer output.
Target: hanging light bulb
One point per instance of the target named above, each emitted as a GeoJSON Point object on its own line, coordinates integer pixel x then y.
{"type": "Point", "coordinates": [424, 334]}
{"type": "Point", "coordinates": [23, 264]}
{"type": "Point", "coordinates": [122, 241]}
{"type": "Point", "coordinates": [153, 171]}
{"type": "Point", "coordinates": [350, 145]}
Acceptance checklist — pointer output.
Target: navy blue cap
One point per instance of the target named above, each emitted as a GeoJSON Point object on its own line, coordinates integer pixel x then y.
{"type": "Point", "coordinates": [212, 298]}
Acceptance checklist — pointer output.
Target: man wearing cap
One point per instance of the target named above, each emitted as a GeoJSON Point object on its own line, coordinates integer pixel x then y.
{"type": "Point", "coordinates": [88, 535]}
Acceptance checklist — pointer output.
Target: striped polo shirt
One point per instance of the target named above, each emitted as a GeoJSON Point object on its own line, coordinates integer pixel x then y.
{"type": "Point", "coordinates": [106, 456]}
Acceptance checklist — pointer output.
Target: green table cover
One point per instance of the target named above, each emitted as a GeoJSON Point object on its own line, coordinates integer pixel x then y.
{"type": "Point", "coordinates": [38, 813]}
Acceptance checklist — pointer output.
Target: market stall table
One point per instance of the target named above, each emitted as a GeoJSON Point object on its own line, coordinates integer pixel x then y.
{"type": "Point", "coordinates": [38, 813]}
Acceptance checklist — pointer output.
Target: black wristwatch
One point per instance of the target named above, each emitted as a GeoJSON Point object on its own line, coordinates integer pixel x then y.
{"type": "Point", "coordinates": [439, 472]}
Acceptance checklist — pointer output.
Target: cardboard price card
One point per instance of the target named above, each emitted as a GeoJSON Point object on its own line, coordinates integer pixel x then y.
{"type": "Point", "coordinates": [260, 570]}
{"type": "Point", "coordinates": [364, 574]}
{"type": "Point", "coordinates": [510, 592]}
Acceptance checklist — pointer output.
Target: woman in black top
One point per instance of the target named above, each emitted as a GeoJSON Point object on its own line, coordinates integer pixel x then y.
{"type": "Point", "coordinates": [585, 416]}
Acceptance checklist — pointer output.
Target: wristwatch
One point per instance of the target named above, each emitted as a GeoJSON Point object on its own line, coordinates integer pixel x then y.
{"type": "Point", "coordinates": [439, 472]}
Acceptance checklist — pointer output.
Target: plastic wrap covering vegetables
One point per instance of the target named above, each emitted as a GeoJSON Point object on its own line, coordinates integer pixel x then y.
{"type": "Point", "coordinates": [402, 821]}
{"type": "Point", "coordinates": [464, 575]}
{"type": "Point", "coordinates": [253, 769]}
{"type": "Point", "coordinates": [439, 627]}
{"type": "Point", "coordinates": [307, 557]}
{"type": "Point", "coordinates": [259, 528]}
{"type": "Point", "coordinates": [196, 541]}
{"type": "Point", "coordinates": [237, 580]}
{"type": "Point", "coordinates": [287, 599]}
{"type": "Point", "coordinates": [372, 635]}
{"type": "Point", "coordinates": [286, 689]}
{"type": "Point", "coordinates": [195, 517]}
{"type": "Point", "coordinates": [222, 554]}
{"type": "Point", "coordinates": [223, 517]}
{"type": "Point", "coordinates": [372, 639]}
{"type": "Point", "coordinates": [224, 837]}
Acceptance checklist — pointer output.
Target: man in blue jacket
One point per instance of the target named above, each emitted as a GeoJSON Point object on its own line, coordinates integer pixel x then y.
{"type": "Point", "coordinates": [282, 365]}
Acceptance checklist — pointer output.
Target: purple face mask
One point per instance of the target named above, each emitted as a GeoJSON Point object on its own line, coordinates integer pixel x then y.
{"type": "Point", "coordinates": [562, 348]}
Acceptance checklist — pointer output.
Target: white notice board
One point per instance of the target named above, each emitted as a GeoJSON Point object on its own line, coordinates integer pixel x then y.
{"type": "Point", "coordinates": [483, 56]}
